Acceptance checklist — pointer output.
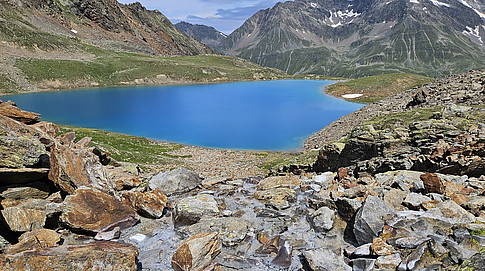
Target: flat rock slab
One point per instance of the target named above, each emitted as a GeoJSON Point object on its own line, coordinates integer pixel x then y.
{"type": "Point", "coordinates": [98, 256]}
{"type": "Point", "coordinates": [325, 260]}
{"type": "Point", "coordinates": [94, 211]}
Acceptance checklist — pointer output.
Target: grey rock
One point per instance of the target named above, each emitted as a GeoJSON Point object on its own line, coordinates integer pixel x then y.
{"type": "Point", "coordinates": [411, 261]}
{"type": "Point", "coordinates": [411, 242]}
{"type": "Point", "coordinates": [460, 234]}
{"type": "Point", "coordinates": [476, 262]}
{"type": "Point", "coordinates": [363, 264]}
{"type": "Point", "coordinates": [362, 251]}
{"type": "Point", "coordinates": [191, 209]}
{"type": "Point", "coordinates": [451, 212]}
{"type": "Point", "coordinates": [436, 248]}
{"type": "Point", "coordinates": [325, 260]}
{"type": "Point", "coordinates": [175, 182]}
{"type": "Point", "coordinates": [418, 187]}
{"type": "Point", "coordinates": [322, 220]}
{"type": "Point", "coordinates": [413, 201]}
{"type": "Point", "coordinates": [394, 199]}
{"type": "Point", "coordinates": [369, 219]}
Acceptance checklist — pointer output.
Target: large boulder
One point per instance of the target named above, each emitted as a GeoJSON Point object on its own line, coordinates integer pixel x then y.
{"type": "Point", "coordinates": [191, 209]}
{"type": "Point", "coordinates": [19, 144]}
{"type": "Point", "coordinates": [95, 211]}
{"type": "Point", "coordinates": [75, 165]}
{"type": "Point", "coordinates": [369, 219]}
{"type": "Point", "coordinates": [197, 252]}
{"type": "Point", "coordinates": [177, 181]}
{"type": "Point", "coordinates": [93, 256]}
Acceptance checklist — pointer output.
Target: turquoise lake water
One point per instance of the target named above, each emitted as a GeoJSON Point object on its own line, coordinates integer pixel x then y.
{"type": "Point", "coordinates": [268, 115]}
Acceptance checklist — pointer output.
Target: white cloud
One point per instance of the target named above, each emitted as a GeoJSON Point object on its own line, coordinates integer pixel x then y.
{"type": "Point", "coordinates": [224, 15]}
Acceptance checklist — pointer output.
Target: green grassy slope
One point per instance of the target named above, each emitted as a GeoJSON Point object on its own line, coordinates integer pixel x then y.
{"type": "Point", "coordinates": [377, 87]}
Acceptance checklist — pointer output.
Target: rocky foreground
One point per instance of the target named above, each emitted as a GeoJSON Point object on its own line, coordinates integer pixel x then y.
{"type": "Point", "coordinates": [398, 194]}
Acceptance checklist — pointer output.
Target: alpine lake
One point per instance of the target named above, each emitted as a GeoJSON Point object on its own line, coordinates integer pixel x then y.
{"type": "Point", "coordinates": [263, 115]}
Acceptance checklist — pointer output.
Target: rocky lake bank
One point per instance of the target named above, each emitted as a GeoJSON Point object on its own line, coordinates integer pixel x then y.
{"type": "Point", "coordinates": [404, 190]}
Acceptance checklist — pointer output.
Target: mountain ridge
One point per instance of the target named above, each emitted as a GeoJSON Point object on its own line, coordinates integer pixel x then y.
{"type": "Point", "coordinates": [364, 37]}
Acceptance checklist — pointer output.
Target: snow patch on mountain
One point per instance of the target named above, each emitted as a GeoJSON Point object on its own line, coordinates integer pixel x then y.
{"type": "Point", "coordinates": [481, 14]}
{"type": "Point", "coordinates": [438, 3]}
{"type": "Point", "coordinates": [474, 32]}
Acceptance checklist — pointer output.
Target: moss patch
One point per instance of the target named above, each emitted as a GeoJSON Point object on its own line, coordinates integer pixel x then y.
{"type": "Point", "coordinates": [127, 148]}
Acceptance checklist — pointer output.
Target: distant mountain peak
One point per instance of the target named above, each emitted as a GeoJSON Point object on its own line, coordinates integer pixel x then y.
{"type": "Point", "coordinates": [364, 37]}
{"type": "Point", "coordinates": [206, 34]}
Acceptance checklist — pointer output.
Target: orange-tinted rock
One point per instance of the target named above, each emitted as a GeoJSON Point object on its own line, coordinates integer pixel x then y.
{"type": "Point", "coordinates": [95, 256]}
{"type": "Point", "coordinates": [380, 248]}
{"type": "Point", "coordinates": [10, 109]}
{"type": "Point", "coordinates": [279, 182]}
{"type": "Point", "coordinates": [20, 219]}
{"type": "Point", "coordinates": [35, 240]}
{"type": "Point", "coordinates": [458, 198]}
{"type": "Point", "coordinates": [94, 211]}
{"type": "Point", "coordinates": [196, 252]}
{"type": "Point", "coordinates": [342, 173]}
{"type": "Point", "coordinates": [19, 144]}
{"type": "Point", "coordinates": [433, 183]}
{"type": "Point", "coordinates": [149, 204]}
{"type": "Point", "coordinates": [75, 165]}
{"type": "Point", "coordinates": [122, 178]}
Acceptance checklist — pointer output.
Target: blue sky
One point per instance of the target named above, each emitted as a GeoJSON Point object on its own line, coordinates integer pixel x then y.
{"type": "Point", "coordinates": [224, 15]}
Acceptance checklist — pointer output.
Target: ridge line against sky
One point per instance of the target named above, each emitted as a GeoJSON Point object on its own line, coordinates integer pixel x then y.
{"type": "Point", "coordinates": [224, 15]}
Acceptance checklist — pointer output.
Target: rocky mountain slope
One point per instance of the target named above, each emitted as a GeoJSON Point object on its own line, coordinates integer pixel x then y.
{"type": "Point", "coordinates": [46, 45]}
{"type": "Point", "coordinates": [205, 34]}
{"type": "Point", "coordinates": [105, 23]}
{"type": "Point", "coordinates": [63, 206]}
{"type": "Point", "coordinates": [364, 37]}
